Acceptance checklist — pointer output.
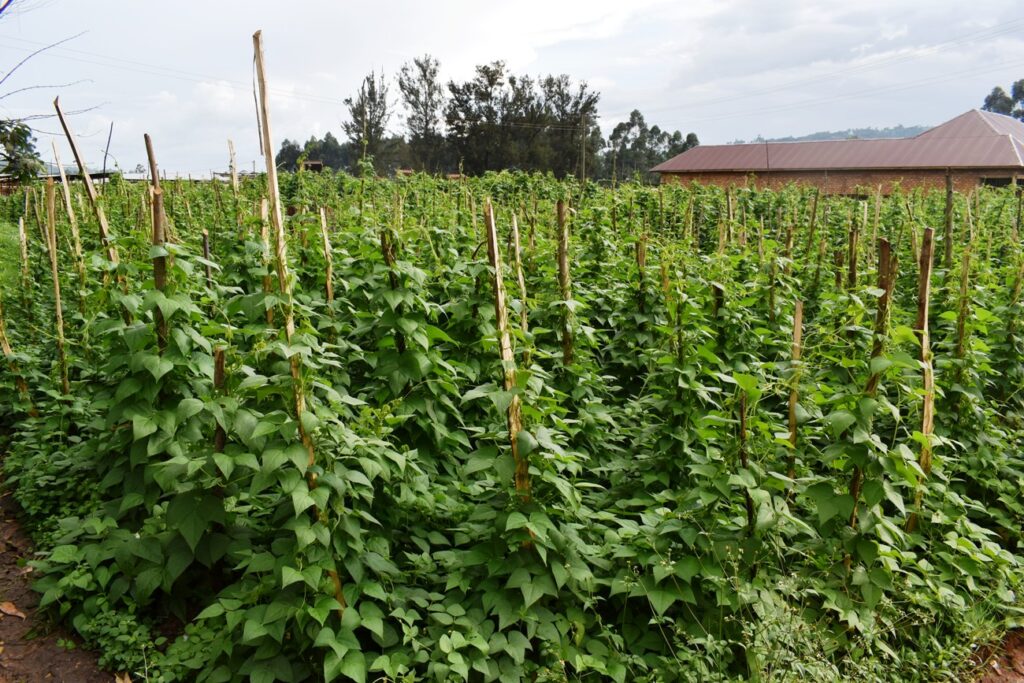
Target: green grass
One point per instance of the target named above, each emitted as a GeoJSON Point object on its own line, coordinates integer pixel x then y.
{"type": "Point", "coordinates": [8, 256]}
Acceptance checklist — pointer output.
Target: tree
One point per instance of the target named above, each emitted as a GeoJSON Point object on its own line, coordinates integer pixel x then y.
{"type": "Point", "coordinates": [423, 95]}
{"type": "Point", "coordinates": [636, 148]}
{"type": "Point", "coordinates": [499, 120]}
{"type": "Point", "coordinates": [1012, 104]}
{"type": "Point", "coordinates": [331, 152]}
{"type": "Point", "coordinates": [473, 117]}
{"type": "Point", "coordinates": [574, 135]}
{"type": "Point", "coordinates": [287, 157]}
{"type": "Point", "coordinates": [18, 151]}
{"type": "Point", "coordinates": [369, 113]}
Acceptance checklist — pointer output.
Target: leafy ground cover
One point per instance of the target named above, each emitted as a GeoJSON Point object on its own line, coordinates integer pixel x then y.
{"type": "Point", "coordinates": [508, 428]}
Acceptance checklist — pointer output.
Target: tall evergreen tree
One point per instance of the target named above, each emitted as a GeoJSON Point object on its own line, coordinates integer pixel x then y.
{"type": "Point", "coordinates": [423, 96]}
{"type": "Point", "coordinates": [369, 112]}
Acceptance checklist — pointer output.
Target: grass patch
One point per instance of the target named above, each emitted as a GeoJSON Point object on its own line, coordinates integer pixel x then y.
{"type": "Point", "coordinates": [8, 256]}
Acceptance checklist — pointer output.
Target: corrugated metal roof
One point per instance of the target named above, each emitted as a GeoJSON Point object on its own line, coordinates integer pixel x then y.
{"type": "Point", "coordinates": [975, 139]}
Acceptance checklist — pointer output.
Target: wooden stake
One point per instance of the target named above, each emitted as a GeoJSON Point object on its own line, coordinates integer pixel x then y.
{"type": "Point", "coordinates": [234, 169]}
{"type": "Point", "coordinates": [220, 437]}
{"type": "Point", "coordinates": [284, 283]}
{"type": "Point", "coordinates": [524, 308]}
{"type": "Point", "coordinates": [814, 221]}
{"type": "Point", "coordinates": [522, 464]}
{"type": "Point", "coordinates": [947, 237]}
{"type": "Point", "coordinates": [76, 238]}
{"type": "Point", "coordinates": [851, 279]}
{"type": "Point", "coordinates": [26, 278]}
{"type": "Point", "coordinates": [51, 231]}
{"type": "Point", "coordinates": [90, 189]}
{"type": "Point", "coordinates": [928, 376]}
{"type": "Point", "coordinates": [159, 265]}
{"type": "Point", "coordinates": [329, 286]}
{"type": "Point", "coordinates": [965, 304]}
{"type": "Point", "coordinates": [565, 285]}
{"type": "Point", "coordinates": [207, 254]}
{"type": "Point", "coordinates": [794, 390]}
{"type": "Point", "coordinates": [886, 283]}
{"type": "Point", "coordinates": [265, 237]}
{"type": "Point", "coordinates": [5, 347]}
{"type": "Point", "coordinates": [387, 250]}
{"type": "Point", "coordinates": [744, 463]}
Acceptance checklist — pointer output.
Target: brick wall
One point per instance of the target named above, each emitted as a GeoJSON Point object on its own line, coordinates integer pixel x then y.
{"type": "Point", "coordinates": [843, 182]}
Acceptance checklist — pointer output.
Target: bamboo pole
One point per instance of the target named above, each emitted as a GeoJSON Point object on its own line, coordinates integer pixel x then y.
{"type": "Point", "coordinates": [928, 376]}
{"type": "Point", "coordinates": [51, 231]}
{"type": "Point", "coordinates": [565, 285]}
{"type": "Point", "coordinates": [284, 283]}
{"type": "Point", "coordinates": [794, 389]}
{"type": "Point", "coordinates": [522, 463]}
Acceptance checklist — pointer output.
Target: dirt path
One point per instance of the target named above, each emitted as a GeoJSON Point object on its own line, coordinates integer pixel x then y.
{"type": "Point", "coordinates": [1007, 666]}
{"type": "Point", "coordinates": [29, 652]}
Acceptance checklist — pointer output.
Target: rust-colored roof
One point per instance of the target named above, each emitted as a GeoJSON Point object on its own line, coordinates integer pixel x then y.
{"type": "Point", "coordinates": [976, 139]}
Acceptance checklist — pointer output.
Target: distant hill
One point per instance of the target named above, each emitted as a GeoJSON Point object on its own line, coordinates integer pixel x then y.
{"type": "Point", "coordinates": [848, 134]}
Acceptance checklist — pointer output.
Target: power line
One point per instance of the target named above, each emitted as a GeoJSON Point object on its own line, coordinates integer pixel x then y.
{"type": "Point", "coordinates": [82, 56]}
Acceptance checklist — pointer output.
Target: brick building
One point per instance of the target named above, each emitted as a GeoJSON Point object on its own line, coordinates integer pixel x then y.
{"type": "Point", "coordinates": [975, 148]}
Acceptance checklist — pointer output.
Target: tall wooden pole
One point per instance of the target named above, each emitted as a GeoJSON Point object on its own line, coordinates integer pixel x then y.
{"type": "Point", "coordinates": [794, 390]}
{"type": "Point", "coordinates": [328, 257]}
{"type": "Point", "coordinates": [928, 376]}
{"type": "Point", "coordinates": [522, 464]}
{"type": "Point", "coordinates": [90, 189]}
{"type": "Point", "coordinates": [284, 281]}
{"type": "Point", "coordinates": [565, 284]}
{"type": "Point", "coordinates": [947, 235]}
{"type": "Point", "coordinates": [51, 230]}
{"type": "Point", "coordinates": [5, 348]}
{"type": "Point", "coordinates": [524, 308]}
{"type": "Point", "coordinates": [76, 238]}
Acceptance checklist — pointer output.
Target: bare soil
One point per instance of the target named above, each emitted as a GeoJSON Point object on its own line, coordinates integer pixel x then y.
{"type": "Point", "coordinates": [1006, 665]}
{"type": "Point", "coordinates": [29, 650]}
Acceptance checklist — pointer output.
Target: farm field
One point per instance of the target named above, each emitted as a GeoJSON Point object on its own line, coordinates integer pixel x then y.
{"type": "Point", "coordinates": [635, 434]}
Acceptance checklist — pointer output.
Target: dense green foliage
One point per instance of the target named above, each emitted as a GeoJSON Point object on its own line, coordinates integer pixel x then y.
{"type": "Point", "coordinates": [663, 541]}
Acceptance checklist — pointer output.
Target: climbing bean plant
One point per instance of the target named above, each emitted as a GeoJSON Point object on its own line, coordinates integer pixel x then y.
{"type": "Point", "coordinates": [523, 429]}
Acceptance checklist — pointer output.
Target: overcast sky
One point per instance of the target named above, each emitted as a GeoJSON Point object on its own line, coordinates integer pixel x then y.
{"type": "Point", "coordinates": [725, 69]}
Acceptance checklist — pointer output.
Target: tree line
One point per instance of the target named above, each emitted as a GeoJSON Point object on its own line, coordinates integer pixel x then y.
{"type": "Point", "coordinates": [495, 120]}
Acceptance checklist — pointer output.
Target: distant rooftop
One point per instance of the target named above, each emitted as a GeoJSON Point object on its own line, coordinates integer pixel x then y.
{"type": "Point", "coordinates": [975, 139]}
